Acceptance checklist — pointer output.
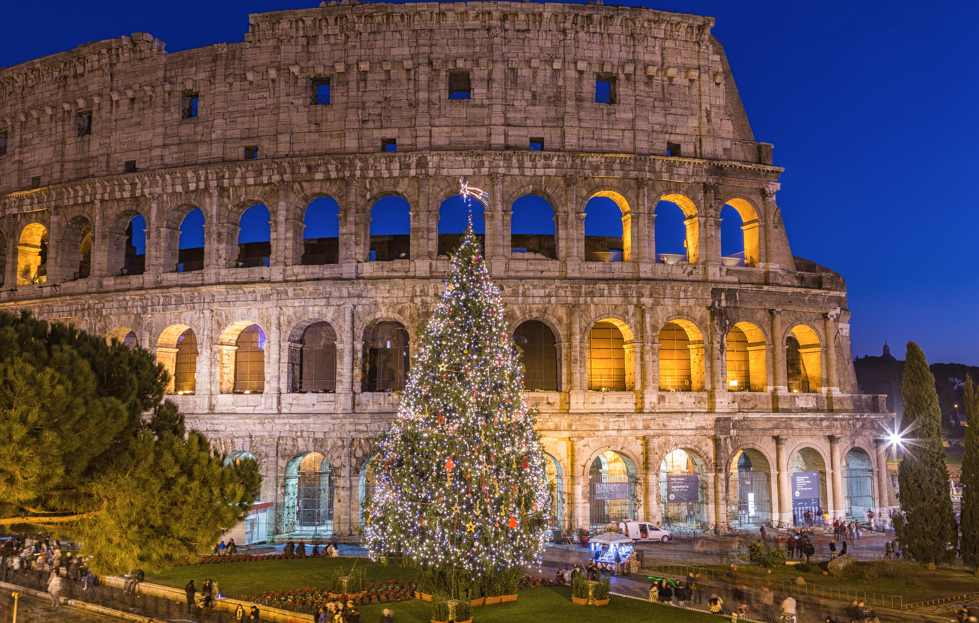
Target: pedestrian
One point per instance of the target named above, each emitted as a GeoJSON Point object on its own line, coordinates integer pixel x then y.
{"type": "Point", "coordinates": [810, 549]}
{"type": "Point", "coordinates": [191, 592]}
{"type": "Point", "coordinates": [55, 584]}
{"type": "Point", "coordinates": [640, 555]}
{"type": "Point", "coordinates": [253, 615]}
{"type": "Point", "coordinates": [654, 594]}
{"type": "Point", "coordinates": [239, 614]}
{"type": "Point", "coordinates": [232, 548]}
{"type": "Point", "coordinates": [301, 549]}
{"type": "Point", "coordinates": [715, 604]}
{"type": "Point", "coordinates": [316, 550]}
{"type": "Point", "coordinates": [289, 549]}
{"type": "Point", "coordinates": [762, 531]}
{"type": "Point", "coordinates": [322, 616]}
{"type": "Point", "coordinates": [791, 544]}
{"type": "Point", "coordinates": [206, 606]}
{"type": "Point", "coordinates": [788, 609]}
{"type": "Point", "coordinates": [843, 549]}
{"type": "Point", "coordinates": [836, 529]}
{"type": "Point", "coordinates": [693, 585]}
{"type": "Point", "coordinates": [888, 549]}
{"type": "Point", "coordinates": [856, 532]}
{"type": "Point", "coordinates": [832, 549]}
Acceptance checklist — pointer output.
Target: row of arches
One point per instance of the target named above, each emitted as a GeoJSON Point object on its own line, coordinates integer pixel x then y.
{"type": "Point", "coordinates": [312, 357]}
{"type": "Point", "coordinates": [607, 231]}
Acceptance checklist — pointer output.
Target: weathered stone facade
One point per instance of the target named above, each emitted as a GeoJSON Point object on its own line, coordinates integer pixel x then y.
{"type": "Point", "coordinates": [676, 131]}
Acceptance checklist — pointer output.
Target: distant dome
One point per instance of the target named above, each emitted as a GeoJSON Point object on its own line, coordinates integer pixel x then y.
{"type": "Point", "coordinates": [887, 353]}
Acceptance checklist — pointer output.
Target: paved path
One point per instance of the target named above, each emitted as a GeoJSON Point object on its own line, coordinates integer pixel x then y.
{"type": "Point", "coordinates": [34, 610]}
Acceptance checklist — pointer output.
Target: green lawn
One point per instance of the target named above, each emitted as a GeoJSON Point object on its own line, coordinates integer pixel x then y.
{"type": "Point", "coordinates": [251, 578]}
{"type": "Point", "coordinates": [922, 585]}
{"type": "Point", "coordinates": [953, 456]}
{"type": "Point", "coordinates": [547, 605]}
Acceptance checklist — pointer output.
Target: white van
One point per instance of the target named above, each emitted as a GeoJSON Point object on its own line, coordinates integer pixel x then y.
{"type": "Point", "coordinates": [643, 531]}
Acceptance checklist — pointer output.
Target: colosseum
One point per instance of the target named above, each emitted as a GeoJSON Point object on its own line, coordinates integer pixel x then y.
{"type": "Point", "coordinates": [272, 219]}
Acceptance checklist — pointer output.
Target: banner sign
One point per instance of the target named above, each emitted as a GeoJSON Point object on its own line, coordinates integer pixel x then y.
{"type": "Point", "coordinates": [682, 488]}
{"type": "Point", "coordinates": [805, 495]}
{"type": "Point", "coordinates": [611, 491]}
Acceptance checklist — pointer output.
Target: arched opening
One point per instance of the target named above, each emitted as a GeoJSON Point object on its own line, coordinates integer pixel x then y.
{"type": "Point", "coordinates": [309, 494]}
{"type": "Point", "coordinates": [250, 361]}
{"type": "Point", "coordinates": [732, 237]}
{"type": "Point", "coordinates": [750, 489]}
{"type": "Point", "coordinates": [532, 229]}
{"type": "Point", "coordinates": [803, 364]}
{"type": "Point", "coordinates": [239, 456]}
{"type": "Point", "coordinates": [555, 484]}
{"type": "Point", "coordinates": [134, 251]}
{"type": "Point", "coordinates": [807, 473]}
{"type": "Point", "coordinates": [32, 255]}
{"type": "Point", "coordinates": [858, 484]}
{"type": "Point", "coordinates": [177, 351]}
{"type": "Point", "coordinates": [190, 248]}
{"type": "Point", "coordinates": [124, 335]}
{"type": "Point", "coordinates": [539, 347]}
{"type": "Point", "coordinates": [682, 488]}
{"type": "Point", "coordinates": [747, 369]}
{"type": "Point", "coordinates": [681, 357]}
{"type": "Point", "coordinates": [255, 528]}
{"type": "Point", "coordinates": [677, 230]}
{"type": "Point", "coordinates": [740, 233]}
{"type": "Point", "coordinates": [385, 357]}
{"type": "Point", "coordinates": [313, 360]}
{"type": "Point", "coordinates": [390, 230]}
{"type": "Point", "coordinates": [611, 357]}
{"type": "Point", "coordinates": [368, 482]}
{"type": "Point", "coordinates": [254, 238]}
{"type": "Point", "coordinates": [76, 245]}
{"type": "Point", "coordinates": [608, 228]}
{"type": "Point", "coordinates": [454, 219]}
{"type": "Point", "coordinates": [611, 490]}
{"type": "Point", "coordinates": [321, 232]}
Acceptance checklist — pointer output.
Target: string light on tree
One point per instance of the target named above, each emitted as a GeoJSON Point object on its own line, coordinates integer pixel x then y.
{"type": "Point", "coordinates": [461, 476]}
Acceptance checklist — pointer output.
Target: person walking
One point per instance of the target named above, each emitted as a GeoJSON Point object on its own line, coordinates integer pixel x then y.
{"type": "Point", "coordinates": [55, 584]}
{"type": "Point", "coordinates": [809, 550]}
{"type": "Point", "coordinates": [232, 548]}
{"type": "Point", "coordinates": [832, 549]}
{"type": "Point", "coordinates": [856, 532]}
{"type": "Point", "coordinates": [693, 586]}
{"type": "Point", "coordinates": [762, 531]}
{"type": "Point", "coordinates": [789, 610]}
{"type": "Point", "coordinates": [191, 591]}
{"type": "Point", "coordinates": [888, 549]}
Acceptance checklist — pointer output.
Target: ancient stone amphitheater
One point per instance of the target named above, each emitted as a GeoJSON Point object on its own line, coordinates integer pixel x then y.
{"type": "Point", "coordinates": [684, 387]}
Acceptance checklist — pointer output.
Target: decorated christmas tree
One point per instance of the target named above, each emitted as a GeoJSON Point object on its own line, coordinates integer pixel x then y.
{"type": "Point", "coordinates": [461, 486]}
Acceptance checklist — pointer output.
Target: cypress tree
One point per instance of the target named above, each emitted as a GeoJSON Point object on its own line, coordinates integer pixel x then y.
{"type": "Point", "coordinates": [929, 526]}
{"type": "Point", "coordinates": [970, 479]}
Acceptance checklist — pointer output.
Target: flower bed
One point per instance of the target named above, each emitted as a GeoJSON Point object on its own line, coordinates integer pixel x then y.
{"type": "Point", "coordinates": [530, 581]}
{"type": "Point", "coordinates": [378, 593]}
{"type": "Point", "coordinates": [214, 559]}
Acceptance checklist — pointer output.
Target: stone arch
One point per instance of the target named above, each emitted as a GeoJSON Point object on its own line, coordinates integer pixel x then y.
{"type": "Point", "coordinates": [807, 457]}
{"type": "Point", "coordinates": [609, 505]}
{"type": "Point", "coordinates": [746, 353]}
{"type": "Point", "coordinates": [541, 355]}
{"type": "Point", "coordinates": [179, 239]}
{"type": "Point", "coordinates": [555, 481]}
{"type": "Point", "coordinates": [367, 483]}
{"type": "Point", "coordinates": [457, 209]}
{"type": "Point", "coordinates": [252, 248]}
{"type": "Point", "coordinates": [528, 244]}
{"type": "Point", "coordinates": [611, 356]}
{"type": "Point", "coordinates": [240, 368]}
{"type": "Point", "coordinates": [593, 249]}
{"type": "Point", "coordinates": [390, 239]}
{"type": "Point", "coordinates": [32, 254]}
{"type": "Point", "coordinates": [76, 248]}
{"type": "Point", "coordinates": [177, 349]}
{"type": "Point", "coordinates": [682, 365]}
{"type": "Point", "coordinates": [124, 335]}
{"type": "Point", "coordinates": [858, 480]}
{"type": "Point", "coordinates": [683, 484]}
{"type": "Point", "coordinates": [691, 224]}
{"type": "Point", "coordinates": [750, 488]}
{"type": "Point", "coordinates": [312, 357]}
{"type": "Point", "coordinates": [803, 359]}
{"type": "Point", "coordinates": [386, 356]}
{"type": "Point", "coordinates": [122, 239]}
{"type": "Point", "coordinates": [750, 225]}
{"type": "Point", "coordinates": [310, 491]}
{"type": "Point", "coordinates": [309, 249]}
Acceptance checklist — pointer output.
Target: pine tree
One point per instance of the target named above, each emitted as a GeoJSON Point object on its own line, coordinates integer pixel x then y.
{"type": "Point", "coordinates": [461, 480]}
{"type": "Point", "coordinates": [929, 525]}
{"type": "Point", "coordinates": [970, 479]}
{"type": "Point", "coordinates": [78, 460]}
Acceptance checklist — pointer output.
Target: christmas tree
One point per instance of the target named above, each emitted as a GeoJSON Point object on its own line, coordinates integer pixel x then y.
{"type": "Point", "coordinates": [461, 486]}
{"type": "Point", "coordinates": [970, 479]}
{"type": "Point", "coordinates": [929, 526]}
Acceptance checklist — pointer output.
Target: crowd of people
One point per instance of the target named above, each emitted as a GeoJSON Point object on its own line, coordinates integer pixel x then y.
{"type": "Point", "coordinates": [42, 559]}
{"type": "Point", "coordinates": [299, 549]}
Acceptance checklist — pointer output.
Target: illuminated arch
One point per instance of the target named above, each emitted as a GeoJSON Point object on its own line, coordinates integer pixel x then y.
{"type": "Point", "coordinates": [745, 350]}
{"type": "Point", "coordinates": [32, 255]}
{"type": "Point", "coordinates": [123, 335]}
{"type": "Point", "coordinates": [604, 252]}
{"type": "Point", "coordinates": [540, 355]}
{"type": "Point", "coordinates": [682, 501]}
{"type": "Point", "coordinates": [310, 491]}
{"type": "Point", "coordinates": [681, 356]}
{"type": "Point", "coordinates": [691, 223]}
{"type": "Point", "coordinates": [241, 351]}
{"type": "Point", "coordinates": [750, 225]}
{"type": "Point", "coordinates": [803, 360]}
{"type": "Point", "coordinates": [806, 458]}
{"type": "Point", "coordinates": [177, 349]}
{"type": "Point", "coordinates": [386, 356]}
{"type": "Point", "coordinates": [750, 486]}
{"type": "Point", "coordinates": [611, 356]}
{"type": "Point", "coordinates": [76, 249]}
{"type": "Point", "coordinates": [611, 466]}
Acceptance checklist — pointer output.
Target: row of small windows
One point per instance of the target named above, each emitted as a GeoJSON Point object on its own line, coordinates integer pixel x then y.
{"type": "Point", "coordinates": [532, 235]}
{"type": "Point", "coordinates": [312, 359]}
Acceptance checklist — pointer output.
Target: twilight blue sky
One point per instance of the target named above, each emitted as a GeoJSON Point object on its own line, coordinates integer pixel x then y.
{"type": "Point", "coordinates": [872, 107]}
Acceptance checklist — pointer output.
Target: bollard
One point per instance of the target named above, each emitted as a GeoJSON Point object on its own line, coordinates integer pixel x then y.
{"type": "Point", "coordinates": [16, 596]}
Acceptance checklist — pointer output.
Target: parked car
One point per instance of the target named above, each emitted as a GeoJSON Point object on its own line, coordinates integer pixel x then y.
{"type": "Point", "coordinates": [644, 531]}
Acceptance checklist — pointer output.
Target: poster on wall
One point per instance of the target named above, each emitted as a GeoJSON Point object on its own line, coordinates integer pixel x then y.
{"type": "Point", "coordinates": [611, 491]}
{"type": "Point", "coordinates": [805, 496]}
{"type": "Point", "coordinates": [682, 488]}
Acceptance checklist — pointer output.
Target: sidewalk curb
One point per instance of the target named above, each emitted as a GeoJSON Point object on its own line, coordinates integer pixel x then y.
{"type": "Point", "coordinates": [79, 604]}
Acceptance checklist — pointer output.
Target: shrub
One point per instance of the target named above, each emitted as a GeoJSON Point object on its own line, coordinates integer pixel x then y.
{"type": "Point", "coordinates": [510, 580]}
{"type": "Point", "coordinates": [760, 553]}
{"type": "Point", "coordinates": [464, 610]}
{"type": "Point", "coordinates": [440, 608]}
{"type": "Point", "coordinates": [803, 567]}
{"type": "Point", "coordinates": [870, 574]}
{"type": "Point", "coordinates": [579, 587]}
{"type": "Point", "coordinates": [604, 589]}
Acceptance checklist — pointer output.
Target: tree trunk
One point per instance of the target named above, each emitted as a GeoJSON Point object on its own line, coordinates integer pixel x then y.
{"type": "Point", "coordinates": [931, 566]}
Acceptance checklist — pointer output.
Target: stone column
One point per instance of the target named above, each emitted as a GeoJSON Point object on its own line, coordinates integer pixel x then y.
{"type": "Point", "coordinates": [577, 377]}
{"type": "Point", "coordinates": [578, 486]}
{"type": "Point", "coordinates": [883, 480]}
{"type": "Point", "coordinates": [779, 375]}
{"type": "Point", "coordinates": [646, 355]}
{"type": "Point", "coordinates": [55, 251]}
{"type": "Point", "coordinates": [168, 357]}
{"type": "Point", "coordinates": [349, 241]}
{"type": "Point", "coordinates": [640, 220]}
{"type": "Point", "coordinates": [11, 251]}
{"type": "Point", "coordinates": [346, 371]}
{"type": "Point", "coordinates": [348, 501]}
{"type": "Point", "coordinates": [573, 237]}
{"type": "Point", "coordinates": [226, 368]}
{"type": "Point", "coordinates": [561, 233]}
{"type": "Point", "coordinates": [838, 510]}
{"type": "Point", "coordinates": [722, 461]}
{"type": "Point", "coordinates": [653, 507]}
{"type": "Point", "coordinates": [206, 365]}
{"type": "Point", "coordinates": [280, 232]}
{"type": "Point", "coordinates": [214, 255]}
{"type": "Point", "coordinates": [784, 493]}
{"type": "Point", "coordinates": [100, 242]}
{"type": "Point", "coordinates": [768, 208]}
{"type": "Point", "coordinates": [716, 362]}
{"type": "Point", "coordinates": [273, 348]}
{"type": "Point", "coordinates": [829, 322]}
{"type": "Point", "coordinates": [497, 227]}
{"type": "Point", "coordinates": [155, 237]}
